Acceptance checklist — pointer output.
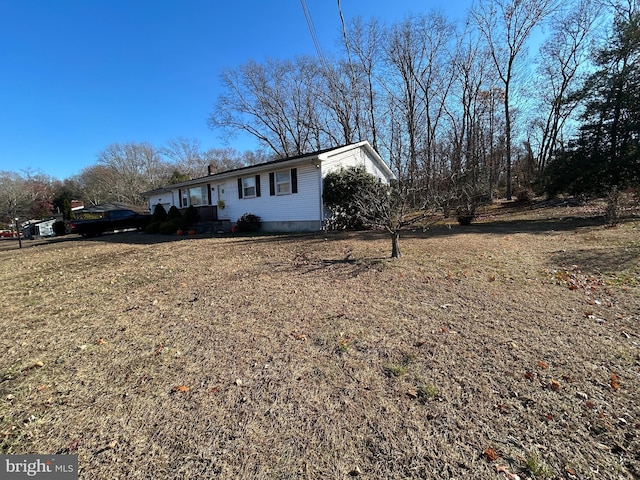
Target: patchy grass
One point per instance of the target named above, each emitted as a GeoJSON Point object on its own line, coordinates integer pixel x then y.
{"type": "Point", "coordinates": [317, 357]}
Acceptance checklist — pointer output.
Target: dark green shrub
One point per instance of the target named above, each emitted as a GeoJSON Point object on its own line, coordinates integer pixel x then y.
{"type": "Point", "coordinates": [173, 213]}
{"type": "Point", "coordinates": [59, 228]}
{"type": "Point", "coordinates": [342, 193]}
{"type": "Point", "coordinates": [170, 226]}
{"type": "Point", "coordinates": [190, 217]}
{"type": "Point", "coordinates": [159, 214]}
{"type": "Point", "coordinates": [153, 227]}
{"type": "Point", "coordinates": [249, 223]}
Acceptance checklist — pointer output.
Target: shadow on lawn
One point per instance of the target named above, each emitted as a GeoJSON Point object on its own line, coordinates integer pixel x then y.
{"type": "Point", "coordinates": [605, 261]}
{"type": "Point", "coordinates": [503, 227]}
{"type": "Point", "coordinates": [497, 227]}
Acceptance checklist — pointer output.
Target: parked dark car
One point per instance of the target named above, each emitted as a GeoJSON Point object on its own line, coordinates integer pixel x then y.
{"type": "Point", "coordinates": [109, 221]}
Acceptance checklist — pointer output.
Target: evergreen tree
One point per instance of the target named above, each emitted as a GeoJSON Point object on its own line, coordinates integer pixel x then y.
{"type": "Point", "coordinates": [606, 154]}
{"type": "Point", "coordinates": [340, 192]}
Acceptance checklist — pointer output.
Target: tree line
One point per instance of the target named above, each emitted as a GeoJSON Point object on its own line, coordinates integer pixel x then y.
{"type": "Point", "coordinates": [479, 107]}
{"type": "Point", "coordinates": [121, 173]}
{"type": "Point", "coordinates": [518, 95]}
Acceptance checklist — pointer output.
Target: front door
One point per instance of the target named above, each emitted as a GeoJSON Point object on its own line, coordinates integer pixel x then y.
{"type": "Point", "coordinates": [223, 208]}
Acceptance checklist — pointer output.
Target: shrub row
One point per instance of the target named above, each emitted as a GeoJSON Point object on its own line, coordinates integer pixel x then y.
{"type": "Point", "coordinates": [170, 222]}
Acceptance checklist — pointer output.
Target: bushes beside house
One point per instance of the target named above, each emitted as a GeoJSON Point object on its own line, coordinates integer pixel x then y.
{"type": "Point", "coordinates": [248, 223]}
{"type": "Point", "coordinates": [172, 221]}
{"type": "Point", "coordinates": [342, 193]}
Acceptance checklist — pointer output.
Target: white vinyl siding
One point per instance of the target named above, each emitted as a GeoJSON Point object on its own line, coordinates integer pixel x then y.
{"type": "Point", "coordinates": [287, 192]}
{"type": "Point", "coordinates": [353, 159]}
{"type": "Point", "coordinates": [304, 205]}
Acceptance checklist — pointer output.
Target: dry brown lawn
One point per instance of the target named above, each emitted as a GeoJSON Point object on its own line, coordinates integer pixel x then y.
{"type": "Point", "coordinates": [510, 347]}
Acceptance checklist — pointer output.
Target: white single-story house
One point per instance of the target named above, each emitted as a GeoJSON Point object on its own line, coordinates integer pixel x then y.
{"type": "Point", "coordinates": [286, 194]}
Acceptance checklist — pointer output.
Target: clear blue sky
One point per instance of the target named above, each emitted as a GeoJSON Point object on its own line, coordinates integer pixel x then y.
{"type": "Point", "coordinates": [78, 75]}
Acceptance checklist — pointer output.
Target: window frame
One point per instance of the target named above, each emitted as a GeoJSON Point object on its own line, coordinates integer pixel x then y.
{"type": "Point", "coordinates": [242, 187]}
{"type": "Point", "coordinates": [292, 173]}
{"type": "Point", "coordinates": [198, 193]}
{"type": "Point", "coordinates": [278, 183]}
{"type": "Point", "coordinates": [246, 187]}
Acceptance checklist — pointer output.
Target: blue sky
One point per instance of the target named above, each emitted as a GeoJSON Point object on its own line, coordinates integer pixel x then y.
{"type": "Point", "coordinates": [78, 75]}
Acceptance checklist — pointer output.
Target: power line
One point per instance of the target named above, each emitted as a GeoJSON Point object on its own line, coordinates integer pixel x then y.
{"type": "Point", "coordinates": [312, 31]}
{"type": "Point", "coordinates": [344, 34]}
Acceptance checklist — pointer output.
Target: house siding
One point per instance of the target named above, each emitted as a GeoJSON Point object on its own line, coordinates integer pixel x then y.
{"type": "Point", "coordinates": [303, 206]}
{"type": "Point", "coordinates": [353, 158]}
{"type": "Point", "coordinates": [301, 211]}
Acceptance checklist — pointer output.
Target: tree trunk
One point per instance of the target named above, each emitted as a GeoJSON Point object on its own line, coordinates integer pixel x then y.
{"type": "Point", "coordinates": [395, 244]}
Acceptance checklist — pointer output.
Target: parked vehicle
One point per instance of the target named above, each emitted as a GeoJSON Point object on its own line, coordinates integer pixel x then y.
{"type": "Point", "coordinates": [109, 221]}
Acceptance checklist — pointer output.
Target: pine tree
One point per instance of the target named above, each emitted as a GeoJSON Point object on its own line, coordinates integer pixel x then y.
{"type": "Point", "coordinates": [606, 154]}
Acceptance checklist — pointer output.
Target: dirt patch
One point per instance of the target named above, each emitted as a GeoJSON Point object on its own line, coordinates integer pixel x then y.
{"type": "Point", "coordinates": [482, 352]}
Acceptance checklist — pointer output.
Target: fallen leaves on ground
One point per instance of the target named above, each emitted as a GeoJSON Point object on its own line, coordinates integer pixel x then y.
{"type": "Point", "coordinates": [615, 382]}
{"type": "Point", "coordinates": [504, 469]}
{"type": "Point", "coordinates": [490, 454]}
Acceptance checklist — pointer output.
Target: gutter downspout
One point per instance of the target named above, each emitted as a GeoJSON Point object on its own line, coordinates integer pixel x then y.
{"type": "Point", "coordinates": [318, 164]}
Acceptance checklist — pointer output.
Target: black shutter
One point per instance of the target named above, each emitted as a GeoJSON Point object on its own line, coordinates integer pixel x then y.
{"type": "Point", "coordinates": [239, 188]}
{"type": "Point", "coordinates": [272, 183]}
{"type": "Point", "coordinates": [209, 190]}
{"type": "Point", "coordinates": [257, 185]}
{"type": "Point", "coordinates": [180, 198]}
{"type": "Point", "coordinates": [294, 180]}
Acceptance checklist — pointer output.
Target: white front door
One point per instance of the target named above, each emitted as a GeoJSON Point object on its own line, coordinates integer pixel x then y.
{"type": "Point", "coordinates": [223, 208]}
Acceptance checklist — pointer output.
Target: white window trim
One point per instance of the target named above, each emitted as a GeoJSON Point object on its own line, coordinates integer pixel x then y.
{"type": "Point", "coordinates": [244, 187]}
{"type": "Point", "coordinates": [277, 183]}
{"type": "Point", "coordinates": [202, 196]}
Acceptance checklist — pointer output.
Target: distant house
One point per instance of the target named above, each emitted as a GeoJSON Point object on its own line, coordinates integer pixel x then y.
{"type": "Point", "coordinates": [286, 194]}
{"type": "Point", "coordinates": [39, 228]}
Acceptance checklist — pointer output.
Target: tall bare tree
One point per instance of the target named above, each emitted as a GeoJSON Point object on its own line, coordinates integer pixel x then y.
{"type": "Point", "coordinates": [419, 54]}
{"type": "Point", "coordinates": [340, 98]}
{"type": "Point", "coordinates": [506, 26]}
{"type": "Point", "coordinates": [185, 155]}
{"type": "Point", "coordinates": [98, 184]}
{"type": "Point", "coordinates": [470, 131]}
{"type": "Point", "coordinates": [132, 168]}
{"type": "Point", "coordinates": [561, 57]}
{"type": "Point", "coordinates": [41, 189]}
{"type": "Point", "coordinates": [407, 54]}
{"type": "Point", "coordinates": [365, 41]}
{"type": "Point", "coordinates": [274, 102]}
{"type": "Point", "coordinates": [15, 200]}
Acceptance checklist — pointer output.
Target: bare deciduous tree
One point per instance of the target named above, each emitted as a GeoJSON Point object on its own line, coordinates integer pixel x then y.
{"type": "Point", "coordinates": [365, 42]}
{"type": "Point", "coordinates": [471, 134]}
{"type": "Point", "coordinates": [127, 170]}
{"type": "Point", "coordinates": [506, 26]}
{"type": "Point", "coordinates": [274, 102]}
{"type": "Point", "coordinates": [15, 200]}
{"type": "Point", "coordinates": [96, 184]}
{"type": "Point", "coordinates": [562, 55]}
{"type": "Point", "coordinates": [391, 208]}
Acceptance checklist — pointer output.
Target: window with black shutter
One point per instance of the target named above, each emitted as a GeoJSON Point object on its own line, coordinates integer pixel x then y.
{"type": "Point", "coordinates": [283, 182]}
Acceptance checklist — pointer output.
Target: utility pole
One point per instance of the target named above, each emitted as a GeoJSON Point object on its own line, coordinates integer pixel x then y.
{"type": "Point", "coordinates": [18, 232]}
